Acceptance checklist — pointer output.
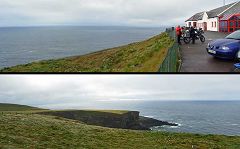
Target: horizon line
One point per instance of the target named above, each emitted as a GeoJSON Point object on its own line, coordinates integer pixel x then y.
{"type": "Point", "coordinates": [66, 25]}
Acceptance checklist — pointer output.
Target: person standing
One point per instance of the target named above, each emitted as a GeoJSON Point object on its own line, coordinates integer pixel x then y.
{"type": "Point", "coordinates": [193, 34]}
{"type": "Point", "coordinates": [179, 34]}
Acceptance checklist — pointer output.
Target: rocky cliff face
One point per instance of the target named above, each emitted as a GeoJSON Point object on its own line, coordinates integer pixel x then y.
{"type": "Point", "coordinates": [150, 122]}
{"type": "Point", "coordinates": [128, 120]}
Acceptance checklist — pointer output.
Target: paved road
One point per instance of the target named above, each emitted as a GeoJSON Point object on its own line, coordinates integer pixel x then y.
{"type": "Point", "coordinates": [196, 59]}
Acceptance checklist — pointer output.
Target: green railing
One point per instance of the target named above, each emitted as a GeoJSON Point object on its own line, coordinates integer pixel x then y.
{"type": "Point", "coordinates": [172, 61]}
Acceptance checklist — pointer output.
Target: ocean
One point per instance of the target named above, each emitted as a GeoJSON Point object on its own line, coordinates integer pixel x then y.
{"type": "Point", "coordinates": [21, 45]}
{"type": "Point", "coordinates": [203, 117]}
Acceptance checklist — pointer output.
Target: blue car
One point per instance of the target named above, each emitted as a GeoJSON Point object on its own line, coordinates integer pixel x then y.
{"type": "Point", "coordinates": [228, 48]}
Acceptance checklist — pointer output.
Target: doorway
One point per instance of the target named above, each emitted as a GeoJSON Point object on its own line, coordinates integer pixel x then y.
{"type": "Point", "coordinates": [205, 26]}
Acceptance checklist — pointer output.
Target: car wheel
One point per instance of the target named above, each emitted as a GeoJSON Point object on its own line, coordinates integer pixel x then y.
{"type": "Point", "coordinates": [238, 56]}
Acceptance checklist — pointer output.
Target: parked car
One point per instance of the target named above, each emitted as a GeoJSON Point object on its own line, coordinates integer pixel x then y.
{"type": "Point", "coordinates": [228, 48]}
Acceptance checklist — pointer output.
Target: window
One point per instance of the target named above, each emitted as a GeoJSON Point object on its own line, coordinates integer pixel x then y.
{"type": "Point", "coordinates": [212, 24]}
{"type": "Point", "coordinates": [223, 26]}
{"type": "Point", "coordinates": [194, 24]}
{"type": "Point", "coordinates": [215, 24]}
{"type": "Point", "coordinates": [230, 25]}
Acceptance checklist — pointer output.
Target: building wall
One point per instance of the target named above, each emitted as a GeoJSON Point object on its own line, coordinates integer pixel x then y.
{"type": "Point", "coordinates": [187, 23]}
{"type": "Point", "coordinates": [200, 23]}
{"type": "Point", "coordinates": [213, 24]}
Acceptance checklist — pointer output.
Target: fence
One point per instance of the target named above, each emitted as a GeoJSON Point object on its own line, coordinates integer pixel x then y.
{"type": "Point", "coordinates": [172, 61]}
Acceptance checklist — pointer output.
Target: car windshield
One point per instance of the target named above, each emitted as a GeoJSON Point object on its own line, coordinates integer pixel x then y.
{"type": "Point", "coordinates": [234, 35]}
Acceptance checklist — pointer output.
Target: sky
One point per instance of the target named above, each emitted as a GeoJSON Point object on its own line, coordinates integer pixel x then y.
{"type": "Point", "coordinates": [144, 13]}
{"type": "Point", "coordinates": [71, 90]}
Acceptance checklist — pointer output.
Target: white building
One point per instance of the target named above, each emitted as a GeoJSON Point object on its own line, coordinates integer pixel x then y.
{"type": "Point", "coordinates": [223, 19]}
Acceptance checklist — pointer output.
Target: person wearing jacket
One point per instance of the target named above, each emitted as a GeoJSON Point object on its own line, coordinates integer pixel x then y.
{"type": "Point", "coordinates": [179, 34]}
{"type": "Point", "coordinates": [193, 34]}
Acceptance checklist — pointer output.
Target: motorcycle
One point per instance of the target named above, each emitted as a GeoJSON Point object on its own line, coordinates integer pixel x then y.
{"type": "Point", "coordinates": [186, 34]}
{"type": "Point", "coordinates": [201, 31]}
{"type": "Point", "coordinates": [198, 36]}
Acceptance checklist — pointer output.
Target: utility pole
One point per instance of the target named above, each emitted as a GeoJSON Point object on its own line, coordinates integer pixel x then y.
{"type": "Point", "coordinates": [224, 2]}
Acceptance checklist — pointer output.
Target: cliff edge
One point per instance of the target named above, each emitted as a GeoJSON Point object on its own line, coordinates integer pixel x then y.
{"type": "Point", "coordinates": [123, 119]}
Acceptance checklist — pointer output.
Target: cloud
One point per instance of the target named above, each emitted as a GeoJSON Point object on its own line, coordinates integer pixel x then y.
{"type": "Point", "coordinates": [104, 12]}
{"type": "Point", "coordinates": [90, 89]}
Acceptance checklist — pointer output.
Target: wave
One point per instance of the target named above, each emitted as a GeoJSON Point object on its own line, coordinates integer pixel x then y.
{"type": "Point", "coordinates": [175, 127]}
{"type": "Point", "coordinates": [165, 126]}
{"type": "Point", "coordinates": [234, 124]}
{"type": "Point", "coordinates": [149, 116]}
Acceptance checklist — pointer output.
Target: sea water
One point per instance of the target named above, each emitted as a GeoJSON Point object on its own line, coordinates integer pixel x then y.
{"type": "Point", "coordinates": [21, 45]}
{"type": "Point", "coordinates": [203, 117]}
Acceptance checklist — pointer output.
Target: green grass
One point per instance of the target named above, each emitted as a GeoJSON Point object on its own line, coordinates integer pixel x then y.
{"type": "Point", "coordinates": [15, 107]}
{"type": "Point", "coordinates": [145, 56]}
{"type": "Point", "coordinates": [29, 130]}
{"type": "Point", "coordinates": [5, 107]}
{"type": "Point", "coordinates": [83, 113]}
{"type": "Point", "coordinates": [104, 111]}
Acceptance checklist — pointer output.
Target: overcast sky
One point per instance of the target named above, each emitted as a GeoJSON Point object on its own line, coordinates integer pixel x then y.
{"type": "Point", "coordinates": [52, 90]}
{"type": "Point", "coordinates": [101, 12]}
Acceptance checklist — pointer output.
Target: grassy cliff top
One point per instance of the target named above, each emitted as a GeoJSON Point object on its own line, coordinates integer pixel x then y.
{"type": "Point", "coordinates": [16, 107]}
{"type": "Point", "coordinates": [106, 111]}
{"type": "Point", "coordinates": [41, 131]}
{"type": "Point", "coordinates": [145, 56]}
{"type": "Point", "coordinates": [118, 112]}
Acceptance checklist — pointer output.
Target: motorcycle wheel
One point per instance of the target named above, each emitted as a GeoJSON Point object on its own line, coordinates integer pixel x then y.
{"type": "Point", "coordinates": [187, 40]}
{"type": "Point", "coordinates": [202, 38]}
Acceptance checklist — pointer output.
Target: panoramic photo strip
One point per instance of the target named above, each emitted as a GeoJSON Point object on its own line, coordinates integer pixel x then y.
{"type": "Point", "coordinates": [119, 74]}
{"type": "Point", "coordinates": [119, 36]}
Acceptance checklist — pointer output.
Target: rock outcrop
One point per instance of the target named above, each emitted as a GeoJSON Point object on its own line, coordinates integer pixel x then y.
{"type": "Point", "coordinates": [150, 122]}
{"type": "Point", "coordinates": [128, 120]}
